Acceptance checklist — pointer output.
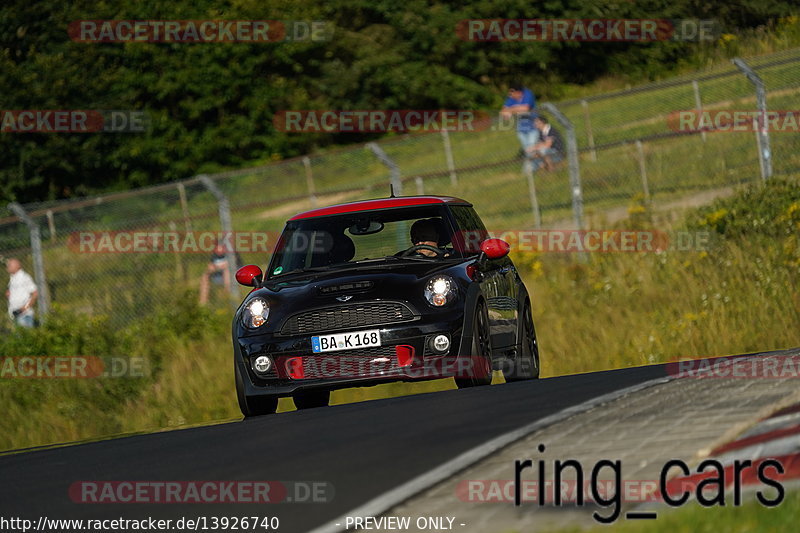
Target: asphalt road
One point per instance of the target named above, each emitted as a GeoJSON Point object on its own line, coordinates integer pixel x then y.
{"type": "Point", "coordinates": [361, 449]}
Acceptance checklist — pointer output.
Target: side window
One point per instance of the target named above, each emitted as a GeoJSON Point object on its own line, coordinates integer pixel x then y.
{"type": "Point", "coordinates": [471, 231]}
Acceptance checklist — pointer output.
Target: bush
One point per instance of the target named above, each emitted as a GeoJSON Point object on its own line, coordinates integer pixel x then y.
{"type": "Point", "coordinates": [771, 210]}
{"type": "Point", "coordinates": [39, 411]}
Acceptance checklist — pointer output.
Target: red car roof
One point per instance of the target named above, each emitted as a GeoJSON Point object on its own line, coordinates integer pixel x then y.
{"type": "Point", "coordinates": [382, 203]}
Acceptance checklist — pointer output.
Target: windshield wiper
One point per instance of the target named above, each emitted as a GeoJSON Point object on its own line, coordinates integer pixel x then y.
{"type": "Point", "coordinates": [302, 271]}
{"type": "Point", "coordinates": [374, 259]}
{"type": "Point", "coordinates": [417, 258]}
{"type": "Point", "coordinates": [393, 258]}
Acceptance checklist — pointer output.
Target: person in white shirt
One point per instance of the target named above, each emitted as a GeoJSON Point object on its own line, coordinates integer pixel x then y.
{"type": "Point", "coordinates": [21, 294]}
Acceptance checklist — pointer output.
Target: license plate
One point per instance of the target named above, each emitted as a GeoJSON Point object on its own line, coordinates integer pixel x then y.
{"type": "Point", "coordinates": [346, 341]}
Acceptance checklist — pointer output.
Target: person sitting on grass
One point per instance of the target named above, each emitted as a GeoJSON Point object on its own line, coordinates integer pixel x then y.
{"type": "Point", "coordinates": [550, 148]}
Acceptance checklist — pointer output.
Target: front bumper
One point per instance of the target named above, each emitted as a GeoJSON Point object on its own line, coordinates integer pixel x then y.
{"type": "Point", "coordinates": [295, 367]}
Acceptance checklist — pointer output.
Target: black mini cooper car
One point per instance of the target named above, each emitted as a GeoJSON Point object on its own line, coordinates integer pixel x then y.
{"type": "Point", "coordinates": [394, 289]}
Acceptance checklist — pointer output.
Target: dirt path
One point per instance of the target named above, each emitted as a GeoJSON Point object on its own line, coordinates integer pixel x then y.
{"type": "Point", "coordinates": [596, 218]}
{"type": "Point", "coordinates": [291, 208]}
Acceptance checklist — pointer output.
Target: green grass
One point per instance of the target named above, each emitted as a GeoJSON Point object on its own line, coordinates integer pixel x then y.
{"type": "Point", "coordinates": [615, 311]}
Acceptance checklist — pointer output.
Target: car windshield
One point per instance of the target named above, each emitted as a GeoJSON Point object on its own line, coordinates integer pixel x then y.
{"type": "Point", "coordinates": [401, 234]}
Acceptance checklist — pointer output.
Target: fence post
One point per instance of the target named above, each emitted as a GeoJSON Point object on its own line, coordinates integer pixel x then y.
{"type": "Point", "coordinates": [698, 104]}
{"type": "Point", "coordinates": [760, 148]}
{"type": "Point", "coordinates": [420, 186]}
{"type": "Point", "coordinates": [184, 206]}
{"type": "Point", "coordinates": [574, 168]}
{"type": "Point", "coordinates": [527, 168]}
{"type": "Point", "coordinates": [38, 257]}
{"type": "Point", "coordinates": [51, 225]}
{"type": "Point", "coordinates": [312, 193]}
{"type": "Point", "coordinates": [397, 188]}
{"type": "Point", "coordinates": [764, 153]}
{"type": "Point", "coordinates": [227, 229]}
{"type": "Point", "coordinates": [643, 170]}
{"type": "Point", "coordinates": [589, 132]}
{"type": "Point", "coordinates": [448, 152]}
{"type": "Point", "coordinates": [394, 170]}
{"type": "Point", "coordinates": [179, 275]}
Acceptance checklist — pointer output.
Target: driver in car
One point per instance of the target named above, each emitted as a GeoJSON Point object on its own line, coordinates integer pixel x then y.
{"type": "Point", "coordinates": [425, 232]}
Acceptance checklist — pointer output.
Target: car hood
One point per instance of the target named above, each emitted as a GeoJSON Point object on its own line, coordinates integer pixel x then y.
{"type": "Point", "coordinates": [385, 281]}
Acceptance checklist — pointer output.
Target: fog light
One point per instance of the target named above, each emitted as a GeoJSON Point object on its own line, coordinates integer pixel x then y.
{"type": "Point", "coordinates": [262, 364]}
{"type": "Point", "coordinates": [440, 344]}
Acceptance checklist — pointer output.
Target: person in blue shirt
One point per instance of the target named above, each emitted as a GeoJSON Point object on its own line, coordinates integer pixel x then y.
{"type": "Point", "coordinates": [521, 102]}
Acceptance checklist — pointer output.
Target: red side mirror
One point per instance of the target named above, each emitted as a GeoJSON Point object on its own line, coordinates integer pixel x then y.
{"type": "Point", "coordinates": [249, 276]}
{"type": "Point", "coordinates": [495, 248]}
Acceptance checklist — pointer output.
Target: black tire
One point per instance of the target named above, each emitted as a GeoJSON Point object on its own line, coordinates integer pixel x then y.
{"type": "Point", "coordinates": [253, 405]}
{"type": "Point", "coordinates": [479, 370]}
{"type": "Point", "coordinates": [526, 363]}
{"type": "Point", "coordinates": [311, 399]}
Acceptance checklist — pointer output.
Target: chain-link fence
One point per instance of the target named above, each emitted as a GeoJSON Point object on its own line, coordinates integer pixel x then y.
{"type": "Point", "coordinates": [632, 147]}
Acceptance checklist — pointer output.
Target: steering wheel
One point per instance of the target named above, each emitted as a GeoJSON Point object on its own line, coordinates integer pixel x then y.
{"type": "Point", "coordinates": [414, 249]}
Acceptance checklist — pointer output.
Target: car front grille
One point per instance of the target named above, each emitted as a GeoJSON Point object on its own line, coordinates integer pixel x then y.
{"type": "Point", "coordinates": [347, 317]}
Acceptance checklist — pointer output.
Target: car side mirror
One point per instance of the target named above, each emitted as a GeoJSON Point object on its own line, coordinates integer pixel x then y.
{"type": "Point", "coordinates": [249, 276]}
{"type": "Point", "coordinates": [495, 248]}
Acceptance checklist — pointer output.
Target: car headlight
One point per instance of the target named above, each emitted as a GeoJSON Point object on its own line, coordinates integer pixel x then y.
{"type": "Point", "coordinates": [256, 313]}
{"type": "Point", "coordinates": [440, 291]}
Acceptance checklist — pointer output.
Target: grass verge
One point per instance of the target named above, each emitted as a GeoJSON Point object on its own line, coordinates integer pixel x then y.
{"type": "Point", "coordinates": [617, 310]}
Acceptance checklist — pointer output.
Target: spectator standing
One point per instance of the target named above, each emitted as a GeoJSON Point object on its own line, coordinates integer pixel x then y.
{"type": "Point", "coordinates": [217, 272]}
{"type": "Point", "coordinates": [521, 103]}
{"type": "Point", "coordinates": [21, 294]}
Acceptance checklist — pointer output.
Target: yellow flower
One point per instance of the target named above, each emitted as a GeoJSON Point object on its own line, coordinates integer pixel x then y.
{"type": "Point", "coordinates": [716, 216]}
{"type": "Point", "coordinates": [695, 317]}
{"type": "Point", "coordinates": [536, 269]}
